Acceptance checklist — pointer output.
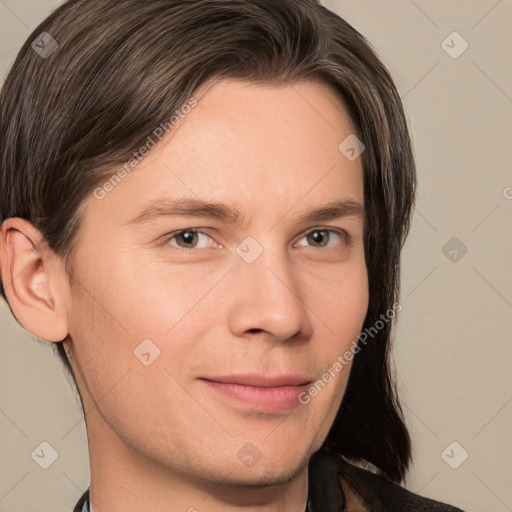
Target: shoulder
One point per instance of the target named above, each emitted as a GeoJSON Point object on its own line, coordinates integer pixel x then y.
{"type": "Point", "coordinates": [367, 490]}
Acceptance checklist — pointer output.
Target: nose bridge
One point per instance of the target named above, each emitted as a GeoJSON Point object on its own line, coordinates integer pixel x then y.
{"type": "Point", "coordinates": [267, 295]}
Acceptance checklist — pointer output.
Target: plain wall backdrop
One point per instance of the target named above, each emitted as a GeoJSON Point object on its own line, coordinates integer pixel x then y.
{"type": "Point", "coordinates": [452, 63]}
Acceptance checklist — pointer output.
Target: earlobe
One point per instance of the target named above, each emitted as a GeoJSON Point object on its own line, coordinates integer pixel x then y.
{"type": "Point", "coordinates": [33, 276]}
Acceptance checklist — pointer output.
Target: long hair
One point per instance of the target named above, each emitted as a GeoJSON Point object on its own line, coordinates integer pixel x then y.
{"type": "Point", "coordinates": [96, 77]}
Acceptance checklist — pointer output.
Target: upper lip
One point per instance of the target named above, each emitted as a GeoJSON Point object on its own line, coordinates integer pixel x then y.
{"type": "Point", "coordinates": [264, 381]}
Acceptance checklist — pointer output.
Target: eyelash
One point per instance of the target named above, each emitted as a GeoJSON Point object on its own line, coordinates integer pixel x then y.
{"type": "Point", "coordinates": [344, 235]}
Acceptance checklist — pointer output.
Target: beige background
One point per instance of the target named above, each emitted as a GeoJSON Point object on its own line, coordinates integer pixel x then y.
{"type": "Point", "coordinates": [454, 342]}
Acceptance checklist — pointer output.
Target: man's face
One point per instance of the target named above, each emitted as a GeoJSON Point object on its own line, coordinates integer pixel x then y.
{"type": "Point", "coordinates": [196, 347]}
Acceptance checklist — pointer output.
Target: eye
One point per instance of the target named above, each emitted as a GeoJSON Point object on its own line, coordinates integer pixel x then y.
{"type": "Point", "coordinates": [321, 237]}
{"type": "Point", "coordinates": [187, 238]}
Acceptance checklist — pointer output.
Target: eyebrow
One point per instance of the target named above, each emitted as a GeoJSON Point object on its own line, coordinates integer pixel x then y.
{"type": "Point", "coordinates": [194, 207]}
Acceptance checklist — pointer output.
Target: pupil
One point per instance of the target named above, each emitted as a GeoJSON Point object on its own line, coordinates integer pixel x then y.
{"type": "Point", "coordinates": [316, 235]}
{"type": "Point", "coordinates": [188, 236]}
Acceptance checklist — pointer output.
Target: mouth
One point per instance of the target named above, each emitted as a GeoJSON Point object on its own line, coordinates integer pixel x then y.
{"type": "Point", "coordinates": [260, 393]}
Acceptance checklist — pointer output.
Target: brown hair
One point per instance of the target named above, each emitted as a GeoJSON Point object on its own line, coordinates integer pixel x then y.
{"type": "Point", "coordinates": [79, 107]}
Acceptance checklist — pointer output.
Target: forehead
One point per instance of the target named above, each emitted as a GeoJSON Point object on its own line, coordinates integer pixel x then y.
{"type": "Point", "coordinates": [254, 145]}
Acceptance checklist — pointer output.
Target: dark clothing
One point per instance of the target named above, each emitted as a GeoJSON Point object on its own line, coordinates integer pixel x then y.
{"type": "Point", "coordinates": [336, 485]}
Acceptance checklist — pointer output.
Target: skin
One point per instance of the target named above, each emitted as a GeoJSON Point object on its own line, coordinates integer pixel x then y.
{"type": "Point", "coordinates": [160, 438]}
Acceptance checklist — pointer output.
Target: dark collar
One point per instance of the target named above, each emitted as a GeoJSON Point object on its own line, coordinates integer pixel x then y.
{"type": "Point", "coordinates": [325, 492]}
{"type": "Point", "coordinates": [376, 492]}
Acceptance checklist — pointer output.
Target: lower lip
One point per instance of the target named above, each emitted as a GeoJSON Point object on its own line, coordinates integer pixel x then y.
{"type": "Point", "coordinates": [264, 399]}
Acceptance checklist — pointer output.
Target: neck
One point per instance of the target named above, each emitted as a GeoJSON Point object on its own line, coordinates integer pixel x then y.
{"type": "Point", "coordinates": [123, 479]}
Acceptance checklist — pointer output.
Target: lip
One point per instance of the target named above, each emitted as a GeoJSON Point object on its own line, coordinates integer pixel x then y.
{"type": "Point", "coordinates": [263, 381]}
{"type": "Point", "coordinates": [263, 393]}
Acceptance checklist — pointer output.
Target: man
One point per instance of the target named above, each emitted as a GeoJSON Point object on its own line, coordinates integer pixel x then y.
{"type": "Point", "coordinates": [203, 235]}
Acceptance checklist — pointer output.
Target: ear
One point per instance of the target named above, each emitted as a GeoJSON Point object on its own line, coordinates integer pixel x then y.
{"type": "Point", "coordinates": [34, 280]}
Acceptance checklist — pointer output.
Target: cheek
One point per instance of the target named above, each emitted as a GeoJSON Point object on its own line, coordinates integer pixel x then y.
{"type": "Point", "coordinates": [107, 323]}
{"type": "Point", "coordinates": [136, 331]}
{"type": "Point", "coordinates": [341, 307]}
{"type": "Point", "coordinates": [126, 371]}
{"type": "Point", "coordinates": [341, 304]}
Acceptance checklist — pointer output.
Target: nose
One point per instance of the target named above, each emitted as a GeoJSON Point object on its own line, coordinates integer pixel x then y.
{"type": "Point", "coordinates": [267, 298]}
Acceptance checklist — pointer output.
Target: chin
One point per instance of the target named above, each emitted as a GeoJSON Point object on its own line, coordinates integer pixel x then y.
{"type": "Point", "coordinates": [263, 479]}
{"type": "Point", "coordinates": [270, 470]}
